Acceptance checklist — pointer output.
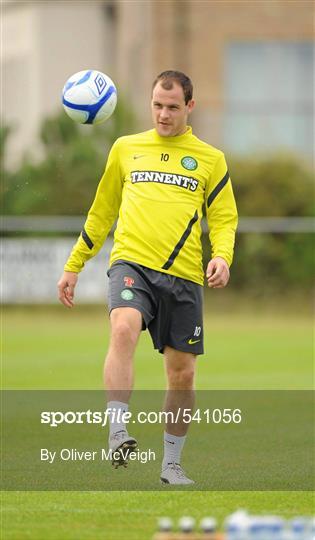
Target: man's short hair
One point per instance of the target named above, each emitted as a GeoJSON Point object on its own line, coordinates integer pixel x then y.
{"type": "Point", "coordinates": [167, 79]}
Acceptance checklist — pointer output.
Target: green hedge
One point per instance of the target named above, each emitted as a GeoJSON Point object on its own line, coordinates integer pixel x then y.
{"type": "Point", "coordinates": [279, 185]}
{"type": "Point", "coordinates": [282, 186]}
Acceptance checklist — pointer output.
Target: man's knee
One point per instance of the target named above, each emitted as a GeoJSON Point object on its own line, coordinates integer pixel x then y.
{"type": "Point", "coordinates": [181, 379]}
{"type": "Point", "coordinates": [125, 325]}
{"type": "Point", "coordinates": [122, 332]}
{"type": "Point", "coordinates": [180, 369]}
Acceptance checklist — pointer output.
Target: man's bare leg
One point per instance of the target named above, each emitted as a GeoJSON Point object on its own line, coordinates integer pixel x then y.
{"type": "Point", "coordinates": [126, 324]}
{"type": "Point", "coordinates": [180, 371]}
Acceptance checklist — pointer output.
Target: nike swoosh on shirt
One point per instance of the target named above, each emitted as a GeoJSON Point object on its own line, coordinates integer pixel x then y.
{"type": "Point", "coordinates": [137, 157]}
{"type": "Point", "coordinates": [193, 341]}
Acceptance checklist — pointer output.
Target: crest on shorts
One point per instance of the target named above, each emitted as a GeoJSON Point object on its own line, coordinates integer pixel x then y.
{"type": "Point", "coordinates": [128, 281]}
{"type": "Point", "coordinates": [127, 294]}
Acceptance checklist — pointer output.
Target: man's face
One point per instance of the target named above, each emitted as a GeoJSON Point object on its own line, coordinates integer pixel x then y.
{"type": "Point", "coordinates": [169, 111]}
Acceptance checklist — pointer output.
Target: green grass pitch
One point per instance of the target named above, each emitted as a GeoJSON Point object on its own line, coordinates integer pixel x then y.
{"type": "Point", "coordinates": [247, 347]}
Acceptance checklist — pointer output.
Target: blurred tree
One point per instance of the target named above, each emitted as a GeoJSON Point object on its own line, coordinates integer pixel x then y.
{"type": "Point", "coordinates": [4, 134]}
{"type": "Point", "coordinates": [279, 185]}
{"type": "Point", "coordinates": [64, 182]}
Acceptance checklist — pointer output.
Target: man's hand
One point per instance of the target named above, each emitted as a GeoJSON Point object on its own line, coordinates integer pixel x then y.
{"type": "Point", "coordinates": [66, 286]}
{"type": "Point", "coordinates": [218, 273]}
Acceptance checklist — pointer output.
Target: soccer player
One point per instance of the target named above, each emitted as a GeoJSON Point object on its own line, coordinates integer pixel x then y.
{"type": "Point", "coordinates": [157, 182]}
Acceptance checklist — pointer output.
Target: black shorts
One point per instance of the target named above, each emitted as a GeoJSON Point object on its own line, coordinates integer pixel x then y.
{"type": "Point", "coordinates": [171, 307]}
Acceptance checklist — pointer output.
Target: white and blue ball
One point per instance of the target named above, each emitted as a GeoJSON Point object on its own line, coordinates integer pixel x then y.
{"type": "Point", "coordinates": [89, 97]}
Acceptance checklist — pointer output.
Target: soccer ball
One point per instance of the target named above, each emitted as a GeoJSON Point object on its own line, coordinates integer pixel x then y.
{"type": "Point", "coordinates": [89, 97]}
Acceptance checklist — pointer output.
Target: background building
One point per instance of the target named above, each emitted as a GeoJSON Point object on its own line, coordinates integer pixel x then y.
{"type": "Point", "coordinates": [251, 64]}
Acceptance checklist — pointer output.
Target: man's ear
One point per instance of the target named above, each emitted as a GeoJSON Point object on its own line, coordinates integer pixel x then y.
{"type": "Point", "coordinates": [191, 105]}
